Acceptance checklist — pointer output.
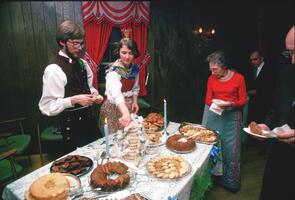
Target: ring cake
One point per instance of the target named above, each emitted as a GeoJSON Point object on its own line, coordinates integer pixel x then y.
{"type": "Point", "coordinates": [179, 142]}
{"type": "Point", "coordinates": [100, 176]}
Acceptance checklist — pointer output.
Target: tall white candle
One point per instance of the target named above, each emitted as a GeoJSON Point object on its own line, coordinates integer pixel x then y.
{"type": "Point", "coordinates": [106, 135]}
{"type": "Point", "coordinates": [165, 115]}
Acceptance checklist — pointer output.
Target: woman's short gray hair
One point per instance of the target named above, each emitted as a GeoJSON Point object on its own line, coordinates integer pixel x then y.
{"type": "Point", "coordinates": [217, 57]}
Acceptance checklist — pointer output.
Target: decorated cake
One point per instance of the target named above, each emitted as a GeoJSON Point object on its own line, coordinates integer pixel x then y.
{"type": "Point", "coordinates": [100, 176]}
{"type": "Point", "coordinates": [180, 143]}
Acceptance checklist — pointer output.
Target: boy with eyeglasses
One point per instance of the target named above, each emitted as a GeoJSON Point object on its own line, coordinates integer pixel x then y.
{"type": "Point", "coordinates": [67, 89]}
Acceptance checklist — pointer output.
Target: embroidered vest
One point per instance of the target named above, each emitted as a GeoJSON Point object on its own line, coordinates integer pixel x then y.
{"type": "Point", "coordinates": [127, 76]}
{"type": "Point", "coordinates": [127, 84]}
{"type": "Point", "coordinates": [76, 76]}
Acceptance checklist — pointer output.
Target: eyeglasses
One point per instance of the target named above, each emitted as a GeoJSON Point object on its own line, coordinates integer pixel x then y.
{"type": "Point", "coordinates": [76, 44]}
{"type": "Point", "coordinates": [288, 53]}
{"type": "Point", "coordinates": [252, 59]}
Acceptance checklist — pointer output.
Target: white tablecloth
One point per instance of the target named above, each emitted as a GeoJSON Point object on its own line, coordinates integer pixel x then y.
{"type": "Point", "coordinates": [154, 188]}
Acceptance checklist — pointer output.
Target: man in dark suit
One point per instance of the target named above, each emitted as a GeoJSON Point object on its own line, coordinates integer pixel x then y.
{"type": "Point", "coordinates": [261, 91]}
{"type": "Point", "coordinates": [279, 173]}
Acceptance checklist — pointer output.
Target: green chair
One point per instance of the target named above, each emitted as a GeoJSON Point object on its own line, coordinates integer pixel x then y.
{"type": "Point", "coordinates": [47, 131]}
{"type": "Point", "coordinates": [144, 106]}
{"type": "Point", "coordinates": [9, 170]}
{"type": "Point", "coordinates": [15, 137]}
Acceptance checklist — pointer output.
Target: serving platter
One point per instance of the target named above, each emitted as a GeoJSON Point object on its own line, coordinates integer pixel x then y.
{"type": "Point", "coordinates": [181, 152]}
{"type": "Point", "coordinates": [75, 184]}
{"type": "Point", "coordinates": [77, 165]}
{"type": "Point", "coordinates": [168, 167]}
{"type": "Point", "coordinates": [199, 133]}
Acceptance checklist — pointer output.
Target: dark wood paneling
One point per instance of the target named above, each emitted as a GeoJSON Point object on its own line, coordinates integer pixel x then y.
{"type": "Point", "coordinates": [50, 28]}
{"type": "Point", "coordinates": [27, 32]}
{"type": "Point", "coordinates": [29, 53]}
{"type": "Point", "coordinates": [18, 36]}
{"type": "Point", "coordinates": [68, 9]}
{"type": "Point", "coordinates": [28, 42]}
{"type": "Point", "coordinates": [176, 71]}
{"type": "Point", "coordinates": [7, 60]}
{"type": "Point", "coordinates": [78, 11]}
{"type": "Point", "coordinates": [59, 12]}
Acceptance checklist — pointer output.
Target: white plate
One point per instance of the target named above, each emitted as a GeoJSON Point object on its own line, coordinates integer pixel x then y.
{"type": "Point", "coordinates": [219, 102]}
{"type": "Point", "coordinates": [266, 134]}
{"type": "Point", "coordinates": [75, 183]}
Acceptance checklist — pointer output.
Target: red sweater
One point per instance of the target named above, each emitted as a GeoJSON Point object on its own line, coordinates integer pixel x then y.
{"type": "Point", "coordinates": [233, 90]}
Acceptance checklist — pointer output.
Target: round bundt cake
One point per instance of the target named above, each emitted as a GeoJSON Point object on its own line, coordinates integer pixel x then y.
{"type": "Point", "coordinates": [100, 176]}
{"type": "Point", "coordinates": [179, 142]}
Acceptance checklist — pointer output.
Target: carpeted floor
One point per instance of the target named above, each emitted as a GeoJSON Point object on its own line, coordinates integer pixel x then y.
{"type": "Point", "coordinates": [252, 167]}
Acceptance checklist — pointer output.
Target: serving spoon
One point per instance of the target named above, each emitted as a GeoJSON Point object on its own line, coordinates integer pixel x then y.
{"type": "Point", "coordinates": [102, 156]}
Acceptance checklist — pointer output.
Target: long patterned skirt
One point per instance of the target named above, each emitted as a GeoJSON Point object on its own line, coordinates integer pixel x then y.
{"type": "Point", "coordinates": [112, 113]}
{"type": "Point", "coordinates": [229, 126]}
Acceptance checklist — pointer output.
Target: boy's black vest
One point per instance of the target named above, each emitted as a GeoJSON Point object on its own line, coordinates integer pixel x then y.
{"type": "Point", "coordinates": [76, 76]}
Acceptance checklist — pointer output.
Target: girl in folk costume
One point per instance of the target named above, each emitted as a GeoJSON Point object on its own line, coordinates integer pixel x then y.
{"type": "Point", "coordinates": [121, 87]}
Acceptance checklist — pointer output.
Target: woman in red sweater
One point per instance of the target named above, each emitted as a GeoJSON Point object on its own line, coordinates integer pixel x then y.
{"type": "Point", "coordinates": [229, 86]}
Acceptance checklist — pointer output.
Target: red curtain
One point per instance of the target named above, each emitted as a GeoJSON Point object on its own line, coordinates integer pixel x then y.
{"type": "Point", "coordinates": [97, 37]}
{"type": "Point", "coordinates": [99, 17]}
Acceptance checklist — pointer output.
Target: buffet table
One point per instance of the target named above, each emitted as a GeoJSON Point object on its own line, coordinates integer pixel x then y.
{"type": "Point", "coordinates": [144, 183]}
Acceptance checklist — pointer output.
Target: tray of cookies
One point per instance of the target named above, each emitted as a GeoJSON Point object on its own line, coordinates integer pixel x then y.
{"type": "Point", "coordinates": [168, 167]}
{"type": "Point", "coordinates": [154, 121]}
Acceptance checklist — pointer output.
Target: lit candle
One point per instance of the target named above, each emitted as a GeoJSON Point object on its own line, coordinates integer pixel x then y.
{"type": "Point", "coordinates": [106, 135]}
{"type": "Point", "coordinates": [165, 115]}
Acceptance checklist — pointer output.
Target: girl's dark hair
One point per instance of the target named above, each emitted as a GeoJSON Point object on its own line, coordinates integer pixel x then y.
{"type": "Point", "coordinates": [131, 44]}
